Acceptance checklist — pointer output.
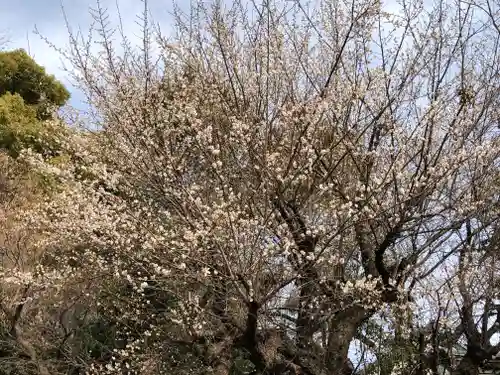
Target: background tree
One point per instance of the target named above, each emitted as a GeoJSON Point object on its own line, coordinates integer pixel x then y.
{"type": "Point", "coordinates": [20, 74]}
{"type": "Point", "coordinates": [28, 97]}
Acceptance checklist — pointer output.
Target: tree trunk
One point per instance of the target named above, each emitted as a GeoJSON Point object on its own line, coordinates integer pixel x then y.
{"type": "Point", "coordinates": [342, 331]}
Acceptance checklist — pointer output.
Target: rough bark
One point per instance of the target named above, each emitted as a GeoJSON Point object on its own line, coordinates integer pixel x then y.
{"type": "Point", "coordinates": [342, 330]}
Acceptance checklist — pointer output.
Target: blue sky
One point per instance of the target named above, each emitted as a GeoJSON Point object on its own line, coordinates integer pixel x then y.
{"type": "Point", "coordinates": [18, 20]}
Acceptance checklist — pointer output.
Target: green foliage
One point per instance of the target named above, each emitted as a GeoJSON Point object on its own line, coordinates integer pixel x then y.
{"type": "Point", "coordinates": [98, 339]}
{"type": "Point", "coordinates": [20, 74]}
{"type": "Point", "coordinates": [242, 366]}
{"type": "Point", "coordinates": [390, 348]}
{"type": "Point", "coordinates": [20, 128]}
{"type": "Point", "coordinates": [181, 360]}
{"type": "Point", "coordinates": [27, 96]}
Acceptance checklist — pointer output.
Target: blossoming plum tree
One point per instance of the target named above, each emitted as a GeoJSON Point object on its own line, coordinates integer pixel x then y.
{"type": "Point", "coordinates": [276, 177]}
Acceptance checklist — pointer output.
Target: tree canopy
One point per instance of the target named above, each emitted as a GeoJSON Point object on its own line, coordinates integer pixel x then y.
{"type": "Point", "coordinates": [20, 74]}
{"type": "Point", "coordinates": [28, 98]}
